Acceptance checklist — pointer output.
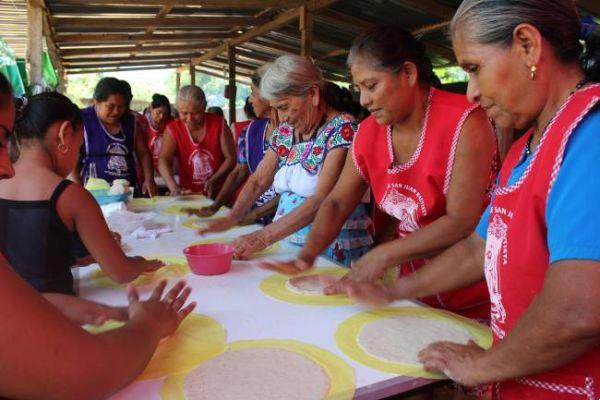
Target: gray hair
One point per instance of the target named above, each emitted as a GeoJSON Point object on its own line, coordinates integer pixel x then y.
{"type": "Point", "coordinates": [259, 73]}
{"type": "Point", "coordinates": [493, 22]}
{"type": "Point", "coordinates": [192, 93]}
{"type": "Point", "coordinates": [290, 75]}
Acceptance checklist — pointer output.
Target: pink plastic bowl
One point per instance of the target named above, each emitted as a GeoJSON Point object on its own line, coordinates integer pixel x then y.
{"type": "Point", "coordinates": [210, 258]}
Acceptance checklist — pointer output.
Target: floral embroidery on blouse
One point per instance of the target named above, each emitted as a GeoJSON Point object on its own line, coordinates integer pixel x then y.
{"type": "Point", "coordinates": [311, 154]}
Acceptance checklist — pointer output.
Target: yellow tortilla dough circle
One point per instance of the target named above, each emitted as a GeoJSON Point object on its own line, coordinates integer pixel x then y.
{"type": "Point", "coordinates": [146, 202]}
{"type": "Point", "coordinates": [342, 382]}
{"type": "Point", "coordinates": [347, 333]}
{"type": "Point", "coordinates": [175, 267]}
{"type": "Point", "coordinates": [197, 339]}
{"type": "Point", "coordinates": [272, 249]}
{"type": "Point", "coordinates": [275, 286]}
{"type": "Point", "coordinates": [178, 205]}
{"type": "Point", "coordinates": [192, 223]}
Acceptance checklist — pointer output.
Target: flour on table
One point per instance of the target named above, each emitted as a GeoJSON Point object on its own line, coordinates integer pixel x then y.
{"type": "Point", "coordinates": [260, 373]}
{"type": "Point", "coordinates": [401, 338]}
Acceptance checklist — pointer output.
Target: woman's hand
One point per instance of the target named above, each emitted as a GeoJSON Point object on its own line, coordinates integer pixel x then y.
{"type": "Point", "coordinates": [246, 245]}
{"type": "Point", "coordinates": [82, 311]}
{"type": "Point", "coordinates": [291, 267]}
{"type": "Point", "coordinates": [149, 188]}
{"type": "Point", "coordinates": [248, 219]}
{"type": "Point", "coordinates": [203, 212]}
{"type": "Point", "coordinates": [97, 314]}
{"type": "Point", "coordinates": [218, 225]}
{"type": "Point", "coordinates": [456, 361]}
{"type": "Point", "coordinates": [210, 188]}
{"type": "Point", "coordinates": [177, 191]}
{"type": "Point", "coordinates": [370, 267]}
{"type": "Point", "coordinates": [146, 265]}
{"type": "Point", "coordinates": [373, 293]}
{"type": "Point", "coordinates": [162, 314]}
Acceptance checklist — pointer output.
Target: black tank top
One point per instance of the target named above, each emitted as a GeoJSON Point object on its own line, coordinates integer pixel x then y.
{"type": "Point", "coordinates": [37, 244]}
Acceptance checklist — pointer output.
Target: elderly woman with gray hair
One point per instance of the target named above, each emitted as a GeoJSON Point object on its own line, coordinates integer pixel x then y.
{"type": "Point", "coordinates": [537, 243]}
{"type": "Point", "coordinates": [307, 153]}
{"type": "Point", "coordinates": [202, 143]}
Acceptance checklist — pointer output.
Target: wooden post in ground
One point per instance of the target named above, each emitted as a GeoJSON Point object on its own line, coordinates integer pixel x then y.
{"type": "Point", "coordinates": [231, 86]}
{"type": "Point", "coordinates": [192, 74]}
{"type": "Point", "coordinates": [34, 42]}
{"type": "Point", "coordinates": [306, 32]}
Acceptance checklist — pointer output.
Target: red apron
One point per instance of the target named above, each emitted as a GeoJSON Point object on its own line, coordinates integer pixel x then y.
{"type": "Point", "coordinates": [415, 192]}
{"type": "Point", "coordinates": [198, 161]}
{"type": "Point", "coordinates": [155, 142]}
{"type": "Point", "coordinates": [516, 255]}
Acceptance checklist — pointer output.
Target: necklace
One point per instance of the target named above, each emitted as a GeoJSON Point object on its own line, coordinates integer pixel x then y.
{"type": "Point", "coordinates": [528, 150]}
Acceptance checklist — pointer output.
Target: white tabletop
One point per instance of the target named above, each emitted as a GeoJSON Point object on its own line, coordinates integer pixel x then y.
{"type": "Point", "coordinates": [236, 302]}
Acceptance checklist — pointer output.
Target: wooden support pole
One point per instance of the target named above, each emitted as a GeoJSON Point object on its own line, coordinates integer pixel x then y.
{"type": "Point", "coordinates": [35, 42]}
{"type": "Point", "coordinates": [192, 75]}
{"type": "Point", "coordinates": [232, 88]}
{"type": "Point", "coordinates": [306, 32]}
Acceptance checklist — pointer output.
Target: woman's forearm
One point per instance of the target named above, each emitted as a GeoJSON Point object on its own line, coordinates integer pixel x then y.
{"type": "Point", "coordinates": [166, 172]}
{"type": "Point", "coordinates": [425, 242]}
{"type": "Point", "coordinates": [326, 227]}
{"type": "Point", "coordinates": [146, 162]}
{"type": "Point", "coordinates": [266, 209]}
{"type": "Point", "coordinates": [223, 169]}
{"type": "Point", "coordinates": [233, 181]}
{"type": "Point", "coordinates": [458, 266]}
{"type": "Point", "coordinates": [297, 219]}
{"type": "Point", "coordinates": [251, 191]}
{"type": "Point", "coordinates": [560, 325]}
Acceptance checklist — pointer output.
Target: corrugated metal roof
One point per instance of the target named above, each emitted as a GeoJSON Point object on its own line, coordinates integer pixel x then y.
{"type": "Point", "coordinates": [13, 25]}
{"type": "Point", "coordinates": [96, 34]}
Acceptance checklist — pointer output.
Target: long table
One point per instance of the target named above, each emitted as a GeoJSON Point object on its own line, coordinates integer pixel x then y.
{"type": "Point", "coordinates": [246, 313]}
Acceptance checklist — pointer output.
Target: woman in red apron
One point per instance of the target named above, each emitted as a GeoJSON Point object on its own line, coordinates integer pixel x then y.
{"type": "Point", "coordinates": [428, 157]}
{"type": "Point", "coordinates": [541, 255]}
{"type": "Point", "coordinates": [203, 144]}
{"type": "Point", "coordinates": [158, 117]}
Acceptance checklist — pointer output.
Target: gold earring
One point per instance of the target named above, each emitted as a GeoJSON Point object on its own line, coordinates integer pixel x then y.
{"type": "Point", "coordinates": [63, 148]}
{"type": "Point", "coordinates": [533, 70]}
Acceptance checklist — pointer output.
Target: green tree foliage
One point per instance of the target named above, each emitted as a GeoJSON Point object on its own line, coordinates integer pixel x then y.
{"type": "Point", "coordinates": [144, 84]}
{"type": "Point", "coordinates": [451, 74]}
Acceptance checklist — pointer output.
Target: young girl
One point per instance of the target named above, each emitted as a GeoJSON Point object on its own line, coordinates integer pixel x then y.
{"type": "Point", "coordinates": [46, 221]}
{"type": "Point", "coordinates": [35, 335]}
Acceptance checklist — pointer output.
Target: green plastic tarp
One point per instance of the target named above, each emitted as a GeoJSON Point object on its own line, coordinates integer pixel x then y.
{"type": "Point", "coordinates": [9, 68]}
{"type": "Point", "coordinates": [48, 71]}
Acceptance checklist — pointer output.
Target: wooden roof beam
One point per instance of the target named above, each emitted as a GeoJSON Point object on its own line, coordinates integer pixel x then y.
{"type": "Point", "coordinates": [113, 38]}
{"type": "Point", "coordinates": [115, 69]}
{"type": "Point", "coordinates": [69, 53]}
{"type": "Point", "coordinates": [442, 51]}
{"type": "Point", "coordinates": [430, 7]}
{"type": "Point", "coordinates": [164, 10]}
{"type": "Point", "coordinates": [123, 63]}
{"type": "Point", "coordinates": [201, 3]}
{"type": "Point", "coordinates": [344, 19]}
{"type": "Point", "coordinates": [430, 28]}
{"type": "Point", "coordinates": [281, 20]}
{"type": "Point", "coordinates": [80, 22]}
{"type": "Point", "coordinates": [170, 58]}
